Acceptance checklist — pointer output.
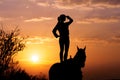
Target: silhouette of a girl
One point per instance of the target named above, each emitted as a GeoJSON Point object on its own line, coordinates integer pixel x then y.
{"type": "Point", "coordinates": [63, 29]}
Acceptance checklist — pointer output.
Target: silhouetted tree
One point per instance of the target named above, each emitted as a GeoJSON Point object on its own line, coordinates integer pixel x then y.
{"type": "Point", "coordinates": [10, 44]}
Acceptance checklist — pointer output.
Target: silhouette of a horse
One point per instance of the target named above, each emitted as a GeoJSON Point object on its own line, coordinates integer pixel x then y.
{"type": "Point", "coordinates": [69, 69]}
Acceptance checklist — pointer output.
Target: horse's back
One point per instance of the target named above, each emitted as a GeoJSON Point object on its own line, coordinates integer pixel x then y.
{"type": "Point", "coordinates": [64, 71]}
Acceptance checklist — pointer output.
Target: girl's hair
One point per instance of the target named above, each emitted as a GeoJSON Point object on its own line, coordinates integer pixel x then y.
{"type": "Point", "coordinates": [62, 17]}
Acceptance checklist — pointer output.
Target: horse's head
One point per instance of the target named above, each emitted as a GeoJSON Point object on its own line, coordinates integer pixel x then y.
{"type": "Point", "coordinates": [80, 57]}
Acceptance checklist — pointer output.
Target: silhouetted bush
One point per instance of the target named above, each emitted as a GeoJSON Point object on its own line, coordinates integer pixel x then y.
{"type": "Point", "coordinates": [39, 77]}
{"type": "Point", "coordinates": [11, 44]}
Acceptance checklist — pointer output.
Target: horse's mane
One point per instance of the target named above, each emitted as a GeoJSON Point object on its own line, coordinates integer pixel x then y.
{"type": "Point", "coordinates": [80, 56]}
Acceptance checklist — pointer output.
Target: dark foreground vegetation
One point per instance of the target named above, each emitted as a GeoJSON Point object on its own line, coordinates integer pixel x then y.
{"type": "Point", "coordinates": [10, 45]}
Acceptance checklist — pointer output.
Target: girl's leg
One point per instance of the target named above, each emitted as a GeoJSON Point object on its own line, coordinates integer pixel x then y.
{"type": "Point", "coordinates": [61, 43]}
{"type": "Point", "coordinates": [67, 43]}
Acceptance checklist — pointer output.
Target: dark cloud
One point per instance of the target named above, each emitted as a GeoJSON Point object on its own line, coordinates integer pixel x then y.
{"type": "Point", "coordinates": [10, 8]}
{"type": "Point", "coordinates": [103, 3]}
{"type": "Point", "coordinates": [26, 8]}
{"type": "Point", "coordinates": [117, 37]}
{"type": "Point", "coordinates": [114, 39]}
{"type": "Point", "coordinates": [98, 39]}
{"type": "Point", "coordinates": [108, 15]}
{"type": "Point", "coordinates": [76, 1]}
{"type": "Point", "coordinates": [111, 2]}
{"type": "Point", "coordinates": [98, 20]}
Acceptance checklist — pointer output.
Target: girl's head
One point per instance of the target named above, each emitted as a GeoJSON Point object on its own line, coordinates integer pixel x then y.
{"type": "Point", "coordinates": [62, 18]}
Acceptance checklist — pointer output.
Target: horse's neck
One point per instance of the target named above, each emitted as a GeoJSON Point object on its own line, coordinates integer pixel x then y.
{"type": "Point", "coordinates": [76, 57]}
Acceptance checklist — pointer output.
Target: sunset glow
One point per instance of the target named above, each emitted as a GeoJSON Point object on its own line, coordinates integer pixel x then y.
{"type": "Point", "coordinates": [96, 24]}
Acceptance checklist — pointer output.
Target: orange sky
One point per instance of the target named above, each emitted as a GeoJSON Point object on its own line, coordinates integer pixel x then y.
{"type": "Point", "coordinates": [96, 25]}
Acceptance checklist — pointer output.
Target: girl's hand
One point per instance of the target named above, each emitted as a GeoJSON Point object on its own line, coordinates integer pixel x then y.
{"type": "Point", "coordinates": [67, 16]}
{"type": "Point", "coordinates": [57, 36]}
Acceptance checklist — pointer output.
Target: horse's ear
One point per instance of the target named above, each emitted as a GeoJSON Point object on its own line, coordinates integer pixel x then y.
{"type": "Point", "coordinates": [84, 48]}
{"type": "Point", "coordinates": [77, 48]}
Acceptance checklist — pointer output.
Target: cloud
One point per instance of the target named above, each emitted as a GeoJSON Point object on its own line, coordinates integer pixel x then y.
{"type": "Point", "coordinates": [90, 41]}
{"type": "Point", "coordinates": [106, 36]}
{"type": "Point", "coordinates": [72, 4]}
{"type": "Point", "coordinates": [63, 4]}
{"type": "Point", "coordinates": [14, 8]}
{"type": "Point", "coordinates": [116, 39]}
{"type": "Point", "coordinates": [81, 5]}
{"type": "Point", "coordinates": [3, 19]}
{"type": "Point", "coordinates": [98, 20]}
{"type": "Point", "coordinates": [91, 2]}
{"type": "Point", "coordinates": [87, 8]}
{"type": "Point", "coordinates": [105, 3]}
{"type": "Point", "coordinates": [44, 3]}
{"type": "Point", "coordinates": [110, 2]}
{"type": "Point", "coordinates": [59, 4]}
{"type": "Point", "coordinates": [38, 19]}
{"type": "Point", "coordinates": [32, 0]}
{"type": "Point", "coordinates": [38, 40]}
{"type": "Point", "coordinates": [97, 40]}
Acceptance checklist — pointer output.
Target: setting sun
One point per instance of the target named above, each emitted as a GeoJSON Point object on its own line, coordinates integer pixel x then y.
{"type": "Point", "coordinates": [35, 58]}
